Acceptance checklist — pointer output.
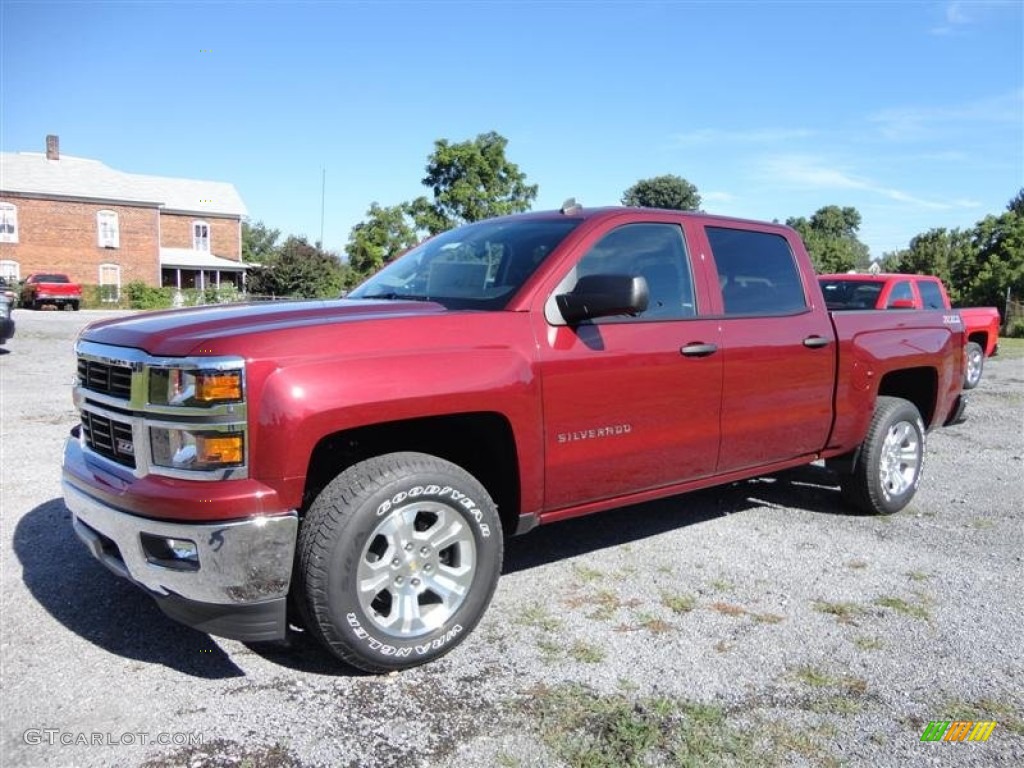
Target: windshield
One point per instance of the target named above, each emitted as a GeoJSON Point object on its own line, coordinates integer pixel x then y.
{"type": "Point", "coordinates": [850, 294]}
{"type": "Point", "coordinates": [478, 266]}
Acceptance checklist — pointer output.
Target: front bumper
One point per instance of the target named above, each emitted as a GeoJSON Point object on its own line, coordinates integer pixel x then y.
{"type": "Point", "coordinates": [238, 586]}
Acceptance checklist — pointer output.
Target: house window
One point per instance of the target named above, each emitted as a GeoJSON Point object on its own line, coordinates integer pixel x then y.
{"type": "Point", "coordinates": [110, 283]}
{"type": "Point", "coordinates": [8, 223]}
{"type": "Point", "coordinates": [106, 228]}
{"type": "Point", "coordinates": [201, 236]}
{"type": "Point", "coordinates": [10, 271]}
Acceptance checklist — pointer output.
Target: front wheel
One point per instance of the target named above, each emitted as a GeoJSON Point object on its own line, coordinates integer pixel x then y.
{"type": "Point", "coordinates": [975, 365]}
{"type": "Point", "coordinates": [887, 470]}
{"type": "Point", "coordinates": [398, 559]}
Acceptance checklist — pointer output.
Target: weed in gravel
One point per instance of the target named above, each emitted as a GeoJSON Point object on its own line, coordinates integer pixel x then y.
{"type": "Point", "coordinates": [607, 603]}
{"type": "Point", "coordinates": [537, 616]}
{"type": "Point", "coordinates": [586, 574]}
{"type": "Point", "coordinates": [586, 653]}
{"type": "Point", "coordinates": [768, 618]}
{"type": "Point", "coordinates": [721, 585]}
{"type": "Point", "coordinates": [786, 739]}
{"type": "Point", "coordinates": [817, 678]}
{"type": "Point", "coordinates": [918, 576]}
{"type": "Point", "coordinates": [729, 609]}
{"type": "Point", "coordinates": [982, 523]}
{"type": "Point", "coordinates": [665, 569]}
{"type": "Point", "coordinates": [866, 643]}
{"type": "Point", "coordinates": [844, 612]}
{"type": "Point", "coordinates": [857, 564]}
{"type": "Point", "coordinates": [678, 603]}
{"type": "Point", "coordinates": [505, 760]}
{"type": "Point", "coordinates": [837, 705]}
{"type": "Point", "coordinates": [898, 604]}
{"type": "Point", "coordinates": [1007, 716]}
{"type": "Point", "coordinates": [550, 650]}
{"type": "Point", "coordinates": [723, 646]}
{"type": "Point", "coordinates": [589, 730]}
{"type": "Point", "coordinates": [653, 624]}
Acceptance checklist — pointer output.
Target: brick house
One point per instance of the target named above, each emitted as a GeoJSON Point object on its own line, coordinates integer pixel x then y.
{"type": "Point", "coordinates": [109, 228]}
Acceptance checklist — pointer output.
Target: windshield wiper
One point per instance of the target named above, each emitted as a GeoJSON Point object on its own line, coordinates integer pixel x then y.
{"type": "Point", "coordinates": [391, 296]}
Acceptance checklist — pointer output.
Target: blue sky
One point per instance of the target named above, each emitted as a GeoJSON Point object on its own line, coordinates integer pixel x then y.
{"type": "Point", "coordinates": [913, 112]}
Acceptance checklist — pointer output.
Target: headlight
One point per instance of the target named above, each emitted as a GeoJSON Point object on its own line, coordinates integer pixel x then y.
{"type": "Point", "coordinates": [175, 386]}
{"type": "Point", "coordinates": [195, 449]}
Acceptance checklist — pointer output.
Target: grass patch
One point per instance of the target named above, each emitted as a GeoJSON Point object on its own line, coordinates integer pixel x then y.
{"type": "Point", "coordinates": [721, 585]}
{"type": "Point", "coordinates": [817, 678]}
{"type": "Point", "coordinates": [844, 612]}
{"type": "Point", "coordinates": [918, 576]}
{"type": "Point", "coordinates": [550, 650]}
{"type": "Point", "coordinates": [898, 604]}
{"type": "Point", "coordinates": [537, 616]}
{"type": "Point", "coordinates": [729, 609]}
{"type": "Point", "coordinates": [868, 643]}
{"type": "Point", "coordinates": [586, 574]}
{"type": "Point", "coordinates": [653, 624]}
{"type": "Point", "coordinates": [607, 603]}
{"type": "Point", "coordinates": [586, 653]}
{"type": "Point", "coordinates": [768, 618]}
{"type": "Point", "coordinates": [1006, 715]}
{"type": "Point", "coordinates": [837, 705]}
{"type": "Point", "coordinates": [588, 730]}
{"type": "Point", "coordinates": [678, 603]}
{"type": "Point", "coordinates": [1011, 348]}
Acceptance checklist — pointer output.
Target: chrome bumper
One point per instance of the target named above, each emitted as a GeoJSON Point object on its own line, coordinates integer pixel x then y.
{"type": "Point", "coordinates": [239, 585]}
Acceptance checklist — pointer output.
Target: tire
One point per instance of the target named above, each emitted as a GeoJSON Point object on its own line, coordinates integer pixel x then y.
{"type": "Point", "coordinates": [975, 364]}
{"type": "Point", "coordinates": [398, 559]}
{"type": "Point", "coordinates": [888, 468]}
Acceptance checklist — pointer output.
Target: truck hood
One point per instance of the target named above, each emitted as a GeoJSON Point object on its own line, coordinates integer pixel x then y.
{"type": "Point", "coordinates": [175, 333]}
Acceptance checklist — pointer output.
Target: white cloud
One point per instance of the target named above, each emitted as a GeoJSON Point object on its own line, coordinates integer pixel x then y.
{"type": "Point", "coordinates": [958, 16]}
{"type": "Point", "coordinates": [899, 123]}
{"type": "Point", "coordinates": [807, 172]}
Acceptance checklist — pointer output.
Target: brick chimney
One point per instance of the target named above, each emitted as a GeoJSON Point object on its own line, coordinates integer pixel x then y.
{"type": "Point", "coordinates": [52, 147]}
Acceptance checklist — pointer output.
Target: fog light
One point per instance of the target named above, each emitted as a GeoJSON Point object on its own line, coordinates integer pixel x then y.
{"type": "Point", "coordinates": [168, 552]}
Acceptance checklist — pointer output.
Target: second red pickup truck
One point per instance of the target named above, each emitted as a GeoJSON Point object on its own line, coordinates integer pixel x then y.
{"type": "Point", "coordinates": [900, 291]}
{"type": "Point", "coordinates": [40, 290]}
{"type": "Point", "coordinates": [352, 466]}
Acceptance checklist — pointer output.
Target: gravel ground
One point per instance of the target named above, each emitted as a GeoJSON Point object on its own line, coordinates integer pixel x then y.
{"type": "Point", "coordinates": [755, 624]}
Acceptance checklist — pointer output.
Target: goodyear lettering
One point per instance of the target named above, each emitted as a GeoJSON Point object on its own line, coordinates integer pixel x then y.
{"type": "Point", "coordinates": [460, 498]}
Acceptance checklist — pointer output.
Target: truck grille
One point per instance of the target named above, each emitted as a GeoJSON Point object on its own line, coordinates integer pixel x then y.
{"type": "Point", "coordinates": [106, 379]}
{"type": "Point", "coordinates": [109, 438]}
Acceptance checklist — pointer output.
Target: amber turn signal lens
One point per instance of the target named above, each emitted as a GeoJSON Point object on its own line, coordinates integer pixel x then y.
{"type": "Point", "coordinates": [214, 450]}
{"type": "Point", "coordinates": [218, 387]}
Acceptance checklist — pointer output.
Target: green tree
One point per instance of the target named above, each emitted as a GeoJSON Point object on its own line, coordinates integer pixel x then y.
{"type": "Point", "coordinates": [259, 242]}
{"type": "Point", "coordinates": [668, 191]}
{"type": "Point", "coordinates": [1016, 205]}
{"type": "Point", "coordinates": [300, 270]}
{"type": "Point", "coordinates": [830, 236]}
{"type": "Point", "coordinates": [998, 245]}
{"type": "Point", "coordinates": [470, 181]}
{"type": "Point", "coordinates": [385, 234]}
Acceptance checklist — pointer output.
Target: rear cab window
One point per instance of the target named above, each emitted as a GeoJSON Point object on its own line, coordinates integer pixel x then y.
{"type": "Point", "coordinates": [931, 294]}
{"type": "Point", "coordinates": [757, 272]}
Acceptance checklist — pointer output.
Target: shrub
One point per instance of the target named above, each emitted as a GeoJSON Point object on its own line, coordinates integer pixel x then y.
{"type": "Point", "coordinates": [138, 295]}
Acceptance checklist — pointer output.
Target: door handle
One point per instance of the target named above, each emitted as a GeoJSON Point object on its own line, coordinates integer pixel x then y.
{"type": "Point", "coordinates": [698, 350]}
{"type": "Point", "coordinates": [815, 342]}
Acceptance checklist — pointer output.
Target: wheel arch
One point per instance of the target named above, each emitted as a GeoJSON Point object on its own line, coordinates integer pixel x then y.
{"type": "Point", "coordinates": [918, 385]}
{"type": "Point", "coordinates": [482, 443]}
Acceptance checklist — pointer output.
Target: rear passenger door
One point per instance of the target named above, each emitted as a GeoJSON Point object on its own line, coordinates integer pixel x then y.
{"type": "Point", "coordinates": [778, 347]}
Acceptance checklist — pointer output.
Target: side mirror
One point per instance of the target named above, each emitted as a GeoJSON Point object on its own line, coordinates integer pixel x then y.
{"type": "Point", "coordinates": [901, 304]}
{"type": "Point", "coordinates": [603, 296]}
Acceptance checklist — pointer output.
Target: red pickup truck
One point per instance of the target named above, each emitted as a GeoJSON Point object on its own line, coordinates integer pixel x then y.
{"type": "Point", "coordinates": [351, 466]}
{"type": "Point", "coordinates": [899, 291]}
{"type": "Point", "coordinates": [41, 289]}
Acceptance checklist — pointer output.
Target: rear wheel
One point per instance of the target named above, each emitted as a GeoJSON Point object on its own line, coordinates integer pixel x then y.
{"type": "Point", "coordinates": [398, 559]}
{"type": "Point", "coordinates": [887, 470]}
{"type": "Point", "coordinates": [975, 364]}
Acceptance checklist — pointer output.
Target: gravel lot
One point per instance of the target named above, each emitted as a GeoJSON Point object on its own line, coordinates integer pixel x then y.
{"type": "Point", "coordinates": [756, 624]}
